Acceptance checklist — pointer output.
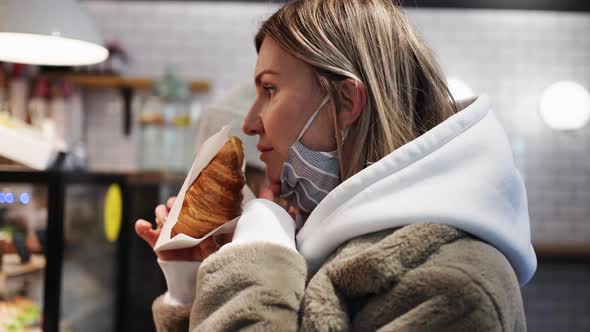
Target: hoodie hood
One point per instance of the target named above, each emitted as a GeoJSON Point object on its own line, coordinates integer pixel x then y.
{"type": "Point", "coordinates": [460, 173]}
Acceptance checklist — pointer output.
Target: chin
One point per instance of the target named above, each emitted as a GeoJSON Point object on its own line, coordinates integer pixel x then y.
{"type": "Point", "coordinates": [274, 167]}
{"type": "Point", "coordinates": [273, 177]}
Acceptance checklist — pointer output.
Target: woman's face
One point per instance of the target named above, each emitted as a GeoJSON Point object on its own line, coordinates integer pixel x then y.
{"type": "Point", "coordinates": [287, 94]}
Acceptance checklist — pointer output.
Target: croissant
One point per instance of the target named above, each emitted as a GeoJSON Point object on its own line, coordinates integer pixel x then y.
{"type": "Point", "coordinates": [215, 196]}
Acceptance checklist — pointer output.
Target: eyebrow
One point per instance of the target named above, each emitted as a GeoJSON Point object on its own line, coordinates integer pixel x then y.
{"type": "Point", "coordinates": [266, 71]}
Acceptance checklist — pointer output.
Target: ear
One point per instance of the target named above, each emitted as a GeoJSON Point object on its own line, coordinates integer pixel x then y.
{"type": "Point", "coordinates": [353, 99]}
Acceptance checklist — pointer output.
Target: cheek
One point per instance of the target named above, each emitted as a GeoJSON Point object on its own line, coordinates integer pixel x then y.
{"type": "Point", "coordinates": [279, 130]}
{"type": "Point", "coordinates": [276, 136]}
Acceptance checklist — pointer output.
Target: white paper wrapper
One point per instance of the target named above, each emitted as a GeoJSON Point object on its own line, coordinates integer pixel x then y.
{"type": "Point", "coordinates": [208, 150]}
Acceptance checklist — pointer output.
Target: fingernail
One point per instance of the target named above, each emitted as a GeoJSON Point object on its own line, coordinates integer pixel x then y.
{"type": "Point", "coordinates": [212, 245]}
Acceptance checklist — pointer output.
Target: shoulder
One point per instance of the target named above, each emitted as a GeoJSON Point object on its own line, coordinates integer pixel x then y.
{"type": "Point", "coordinates": [424, 249]}
{"type": "Point", "coordinates": [427, 262]}
{"type": "Point", "coordinates": [420, 246]}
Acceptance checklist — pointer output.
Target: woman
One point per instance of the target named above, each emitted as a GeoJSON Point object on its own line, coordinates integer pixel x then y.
{"type": "Point", "coordinates": [409, 212]}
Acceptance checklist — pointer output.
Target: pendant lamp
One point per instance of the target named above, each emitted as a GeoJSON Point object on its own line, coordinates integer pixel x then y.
{"type": "Point", "coordinates": [48, 32]}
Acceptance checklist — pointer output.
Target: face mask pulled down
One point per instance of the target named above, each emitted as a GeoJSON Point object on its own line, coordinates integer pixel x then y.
{"type": "Point", "coordinates": [307, 175]}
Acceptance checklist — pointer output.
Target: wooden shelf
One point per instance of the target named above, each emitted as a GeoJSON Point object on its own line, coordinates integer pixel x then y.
{"type": "Point", "coordinates": [561, 251]}
{"type": "Point", "coordinates": [114, 81]}
{"type": "Point", "coordinates": [12, 267]}
{"type": "Point", "coordinates": [126, 85]}
{"type": "Point", "coordinates": [19, 278]}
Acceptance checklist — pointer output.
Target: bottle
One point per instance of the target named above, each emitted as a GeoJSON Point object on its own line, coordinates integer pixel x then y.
{"type": "Point", "coordinates": [151, 122]}
{"type": "Point", "coordinates": [165, 120]}
{"type": "Point", "coordinates": [18, 92]}
{"type": "Point", "coordinates": [57, 107]}
{"type": "Point", "coordinates": [75, 117]}
{"type": "Point", "coordinates": [37, 105]}
{"type": "Point", "coordinates": [3, 90]}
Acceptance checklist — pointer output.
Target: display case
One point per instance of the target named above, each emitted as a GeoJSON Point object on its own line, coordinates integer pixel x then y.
{"type": "Point", "coordinates": [23, 228]}
{"type": "Point", "coordinates": [63, 267]}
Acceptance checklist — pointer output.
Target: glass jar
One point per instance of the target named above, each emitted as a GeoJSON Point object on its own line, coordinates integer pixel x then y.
{"type": "Point", "coordinates": [166, 129]}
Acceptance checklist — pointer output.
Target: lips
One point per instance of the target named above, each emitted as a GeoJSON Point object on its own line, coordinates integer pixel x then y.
{"type": "Point", "coordinates": [263, 148]}
{"type": "Point", "coordinates": [264, 151]}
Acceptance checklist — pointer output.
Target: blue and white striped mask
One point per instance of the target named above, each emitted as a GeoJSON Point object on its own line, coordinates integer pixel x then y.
{"type": "Point", "coordinates": [308, 176]}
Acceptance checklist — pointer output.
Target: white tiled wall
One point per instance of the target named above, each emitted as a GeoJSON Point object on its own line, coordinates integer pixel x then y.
{"type": "Point", "coordinates": [109, 149]}
{"type": "Point", "coordinates": [210, 40]}
{"type": "Point", "coordinates": [510, 55]}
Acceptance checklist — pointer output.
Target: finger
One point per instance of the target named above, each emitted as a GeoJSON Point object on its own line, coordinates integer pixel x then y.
{"type": "Point", "coordinates": [275, 188]}
{"type": "Point", "coordinates": [266, 193]}
{"type": "Point", "coordinates": [144, 229]}
{"type": "Point", "coordinates": [170, 202]}
{"type": "Point", "coordinates": [224, 238]}
{"type": "Point", "coordinates": [161, 214]}
{"type": "Point", "coordinates": [208, 247]}
{"type": "Point", "coordinates": [168, 255]}
{"type": "Point", "coordinates": [283, 203]}
{"type": "Point", "coordinates": [293, 212]}
{"type": "Point", "coordinates": [185, 254]}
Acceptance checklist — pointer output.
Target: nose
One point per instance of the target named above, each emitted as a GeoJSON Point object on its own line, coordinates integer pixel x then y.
{"type": "Point", "coordinates": [252, 124]}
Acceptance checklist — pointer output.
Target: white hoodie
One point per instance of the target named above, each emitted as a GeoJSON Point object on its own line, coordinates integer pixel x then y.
{"type": "Point", "coordinates": [460, 173]}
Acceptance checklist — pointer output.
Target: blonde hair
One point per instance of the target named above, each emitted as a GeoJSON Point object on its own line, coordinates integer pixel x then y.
{"type": "Point", "coordinates": [371, 42]}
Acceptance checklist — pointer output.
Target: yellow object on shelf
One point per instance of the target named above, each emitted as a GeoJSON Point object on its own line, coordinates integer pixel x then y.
{"type": "Point", "coordinates": [113, 212]}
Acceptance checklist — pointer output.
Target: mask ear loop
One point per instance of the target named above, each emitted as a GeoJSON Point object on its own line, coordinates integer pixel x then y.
{"type": "Point", "coordinates": [310, 121]}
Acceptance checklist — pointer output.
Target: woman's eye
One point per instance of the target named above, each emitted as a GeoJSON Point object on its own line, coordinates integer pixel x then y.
{"type": "Point", "coordinates": [269, 89]}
